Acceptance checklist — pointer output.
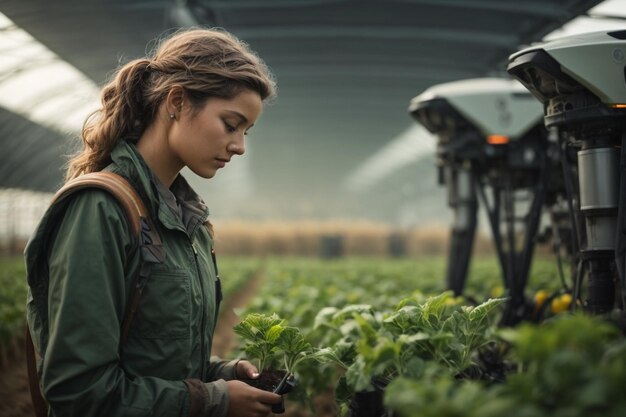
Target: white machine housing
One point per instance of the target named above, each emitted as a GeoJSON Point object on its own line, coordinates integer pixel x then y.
{"type": "Point", "coordinates": [494, 106]}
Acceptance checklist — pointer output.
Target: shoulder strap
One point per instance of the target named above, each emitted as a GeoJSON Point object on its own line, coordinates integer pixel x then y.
{"type": "Point", "coordinates": [116, 185]}
{"type": "Point", "coordinates": [151, 251]}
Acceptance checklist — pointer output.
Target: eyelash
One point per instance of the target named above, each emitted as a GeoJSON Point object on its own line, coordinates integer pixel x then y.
{"type": "Point", "coordinates": [232, 129]}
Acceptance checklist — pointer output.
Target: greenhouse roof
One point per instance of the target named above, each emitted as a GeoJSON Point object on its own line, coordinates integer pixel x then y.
{"type": "Point", "coordinates": [338, 136]}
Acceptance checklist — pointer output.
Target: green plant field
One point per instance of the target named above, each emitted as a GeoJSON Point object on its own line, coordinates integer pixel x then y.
{"type": "Point", "coordinates": [298, 287]}
{"type": "Point", "coordinates": [573, 365]}
{"type": "Point", "coordinates": [382, 327]}
{"type": "Point", "coordinates": [13, 288]}
{"type": "Point", "coordinates": [236, 271]}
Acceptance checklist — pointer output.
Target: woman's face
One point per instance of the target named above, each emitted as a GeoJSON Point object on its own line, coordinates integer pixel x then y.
{"type": "Point", "coordinates": [206, 139]}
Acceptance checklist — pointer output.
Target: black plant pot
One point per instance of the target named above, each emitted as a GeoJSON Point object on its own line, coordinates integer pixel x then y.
{"type": "Point", "coordinates": [276, 381]}
{"type": "Point", "coordinates": [370, 403]}
{"type": "Point", "coordinates": [286, 385]}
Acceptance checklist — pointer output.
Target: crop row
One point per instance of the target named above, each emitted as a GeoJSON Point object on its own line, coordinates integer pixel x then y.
{"type": "Point", "coordinates": [383, 333]}
{"type": "Point", "coordinates": [299, 287]}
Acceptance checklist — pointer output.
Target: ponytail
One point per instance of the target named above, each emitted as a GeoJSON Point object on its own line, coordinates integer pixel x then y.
{"type": "Point", "coordinates": [122, 115]}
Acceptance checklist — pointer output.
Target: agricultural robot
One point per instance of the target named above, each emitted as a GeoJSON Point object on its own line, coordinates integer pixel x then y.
{"type": "Point", "coordinates": [492, 146]}
{"type": "Point", "coordinates": [581, 82]}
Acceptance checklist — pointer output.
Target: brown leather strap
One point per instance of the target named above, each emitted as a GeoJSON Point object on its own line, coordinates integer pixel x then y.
{"type": "Point", "coordinates": [131, 309]}
{"type": "Point", "coordinates": [136, 212]}
{"type": "Point", "coordinates": [116, 185]}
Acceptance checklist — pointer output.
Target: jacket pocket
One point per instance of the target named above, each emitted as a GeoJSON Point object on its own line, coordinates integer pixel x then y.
{"type": "Point", "coordinates": [164, 308]}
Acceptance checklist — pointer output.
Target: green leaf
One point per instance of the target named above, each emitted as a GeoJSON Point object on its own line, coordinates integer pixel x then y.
{"type": "Point", "coordinates": [413, 338]}
{"type": "Point", "coordinates": [357, 378]}
{"type": "Point", "coordinates": [481, 311]}
{"type": "Point", "coordinates": [324, 318]}
{"type": "Point", "coordinates": [403, 320]}
{"type": "Point", "coordinates": [254, 351]}
{"type": "Point", "coordinates": [260, 333]}
{"type": "Point", "coordinates": [292, 341]}
{"type": "Point", "coordinates": [273, 333]}
{"type": "Point", "coordinates": [435, 306]}
{"type": "Point", "coordinates": [328, 355]}
{"type": "Point", "coordinates": [352, 309]}
{"type": "Point", "coordinates": [246, 331]}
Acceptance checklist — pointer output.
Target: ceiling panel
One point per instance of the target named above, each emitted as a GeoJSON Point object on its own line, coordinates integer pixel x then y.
{"type": "Point", "coordinates": [346, 71]}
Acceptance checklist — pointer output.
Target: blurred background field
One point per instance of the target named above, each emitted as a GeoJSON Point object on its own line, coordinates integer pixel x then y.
{"type": "Point", "coordinates": [337, 238]}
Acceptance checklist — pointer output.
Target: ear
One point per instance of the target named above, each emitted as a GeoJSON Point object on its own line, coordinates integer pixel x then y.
{"type": "Point", "coordinates": [175, 99]}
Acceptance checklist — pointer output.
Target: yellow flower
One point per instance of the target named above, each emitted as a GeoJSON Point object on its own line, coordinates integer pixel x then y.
{"type": "Point", "coordinates": [561, 303]}
{"type": "Point", "coordinates": [540, 297]}
{"type": "Point", "coordinates": [497, 291]}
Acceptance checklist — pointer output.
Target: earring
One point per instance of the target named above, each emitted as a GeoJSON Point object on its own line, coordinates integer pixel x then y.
{"type": "Point", "coordinates": [172, 116]}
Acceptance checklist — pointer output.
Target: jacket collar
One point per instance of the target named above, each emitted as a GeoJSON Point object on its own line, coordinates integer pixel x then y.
{"type": "Point", "coordinates": [177, 207]}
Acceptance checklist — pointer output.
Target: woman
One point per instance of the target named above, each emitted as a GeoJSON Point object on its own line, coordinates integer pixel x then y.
{"type": "Point", "coordinates": [190, 104]}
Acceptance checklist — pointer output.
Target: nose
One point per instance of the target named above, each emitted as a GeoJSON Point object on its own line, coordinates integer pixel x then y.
{"type": "Point", "coordinates": [237, 146]}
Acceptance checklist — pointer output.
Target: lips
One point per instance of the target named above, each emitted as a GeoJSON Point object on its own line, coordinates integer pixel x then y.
{"type": "Point", "coordinates": [222, 162]}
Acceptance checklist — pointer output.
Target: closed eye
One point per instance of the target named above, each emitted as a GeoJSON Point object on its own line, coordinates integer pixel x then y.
{"type": "Point", "coordinates": [230, 128]}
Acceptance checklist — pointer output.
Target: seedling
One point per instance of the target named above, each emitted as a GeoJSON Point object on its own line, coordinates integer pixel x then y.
{"type": "Point", "coordinates": [269, 341]}
{"type": "Point", "coordinates": [260, 334]}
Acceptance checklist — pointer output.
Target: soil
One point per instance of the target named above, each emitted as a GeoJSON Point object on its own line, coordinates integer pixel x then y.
{"type": "Point", "coordinates": [224, 338]}
{"type": "Point", "coordinates": [268, 380]}
{"type": "Point", "coordinates": [15, 394]}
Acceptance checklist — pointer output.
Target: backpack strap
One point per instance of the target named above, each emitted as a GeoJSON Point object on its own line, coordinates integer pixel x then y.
{"type": "Point", "coordinates": [117, 185]}
{"type": "Point", "coordinates": [151, 251]}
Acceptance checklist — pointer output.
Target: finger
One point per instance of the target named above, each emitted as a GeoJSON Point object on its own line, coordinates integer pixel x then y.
{"type": "Point", "coordinates": [269, 397]}
{"type": "Point", "coordinates": [263, 410]}
{"type": "Point", "coordinates": [248, 370]}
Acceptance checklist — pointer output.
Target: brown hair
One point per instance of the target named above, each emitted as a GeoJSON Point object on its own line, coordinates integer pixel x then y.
{"type": "Point", "coordinates": [204, 62]}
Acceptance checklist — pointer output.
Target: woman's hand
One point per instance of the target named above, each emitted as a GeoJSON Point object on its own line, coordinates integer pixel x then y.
{"type": "Point", "coordinates": [247, 401]}
{"type": "Point", "coordinates": [245, 369]}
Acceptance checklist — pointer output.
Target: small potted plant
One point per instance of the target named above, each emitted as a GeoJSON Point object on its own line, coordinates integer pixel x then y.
{"type": "Point", "coordinates": [277, 350]}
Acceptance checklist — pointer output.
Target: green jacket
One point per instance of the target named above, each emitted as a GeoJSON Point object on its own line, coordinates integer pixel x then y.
{"type": "Point", "coordinates": [80, 278]}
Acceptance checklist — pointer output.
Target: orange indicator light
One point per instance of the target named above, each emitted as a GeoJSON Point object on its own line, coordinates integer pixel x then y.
{"type": "Point", "coordinates": [497, 139]}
